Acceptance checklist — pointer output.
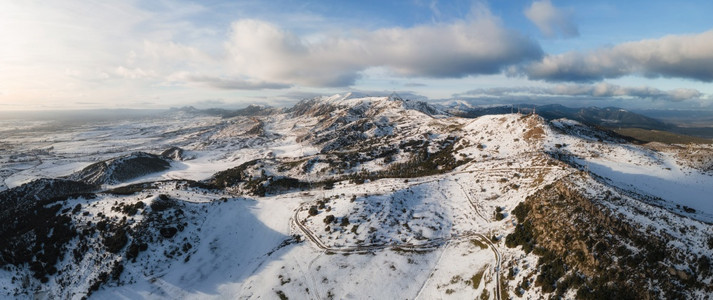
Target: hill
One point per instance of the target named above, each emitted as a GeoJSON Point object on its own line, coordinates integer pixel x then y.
{"type": "Point", "coordinates": [359, 197]}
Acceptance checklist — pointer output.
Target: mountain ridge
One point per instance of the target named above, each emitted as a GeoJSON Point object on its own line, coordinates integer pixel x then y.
{"type": "Point", "coordinates": [342, 192]}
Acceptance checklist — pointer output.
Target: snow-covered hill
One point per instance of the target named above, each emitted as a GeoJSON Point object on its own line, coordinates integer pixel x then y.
{"type": "Point", "coordinates": [351, 197]}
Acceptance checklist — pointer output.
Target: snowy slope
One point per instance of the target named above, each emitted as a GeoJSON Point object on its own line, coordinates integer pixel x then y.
{"type": "Point", "coordinates": [345, 197]}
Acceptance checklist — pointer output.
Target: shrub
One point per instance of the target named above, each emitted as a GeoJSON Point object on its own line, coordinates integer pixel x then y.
{"type": "Point", "coordinates": [168, 232]}
{"type": "Point", "coordinates": [521, 211]}
{"type": "Point", "coordinates": [499, 214]}
{"type": "Point", "coordinates": [313, 211]}
{"type": "Point", "coordinates": [162, 203]}
{"type": "Point", "coordinates": [523, 235]}
{"type": "Point", "coordinates": [282, 295]}
{"type": "Point", "coordinates": [550, 272]}
{"type": "Point", "coordinates": [115, 242]}
{"type": "Point", "coordinates": [329, 219]}
{"type": "Point", "coordinates": [704, 265]}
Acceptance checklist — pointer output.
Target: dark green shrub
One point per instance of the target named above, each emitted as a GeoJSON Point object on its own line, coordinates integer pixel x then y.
{"type": "Point", "coordinates": [521, 211]}
{"type": "Point", "coordinates": [115, 242]}
{"type": "Point", "coordinates": [329, 219]}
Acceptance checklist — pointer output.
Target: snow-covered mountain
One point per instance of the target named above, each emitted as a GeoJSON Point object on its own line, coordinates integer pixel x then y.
{"type": "Point", "coordinates": [351, 197]}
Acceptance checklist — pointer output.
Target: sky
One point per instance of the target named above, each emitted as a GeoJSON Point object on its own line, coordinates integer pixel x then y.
{"type": "Point", "coordinates": [87, 54]}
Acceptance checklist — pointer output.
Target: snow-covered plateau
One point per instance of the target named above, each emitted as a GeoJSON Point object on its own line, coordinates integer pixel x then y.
{"type": "Point", "coordinates": [350, 197]}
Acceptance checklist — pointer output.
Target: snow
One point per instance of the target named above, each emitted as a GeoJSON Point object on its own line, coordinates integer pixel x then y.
{"type": "Point", "coordinates": [640, 170]}
{"type": "Point", "coordinates": [422, 242]}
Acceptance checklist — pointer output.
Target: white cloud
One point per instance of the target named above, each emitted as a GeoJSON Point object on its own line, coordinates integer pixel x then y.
{"type": "Point", "coordinates": [552, 21]}
{"type": "Point", "coordinates": [235, 83]}
{"type": "Point", "coordinates": [602, 90]}
{"type": "Point", "coordinates": [682, 56]}
{"type": "Point", "coordinates": [263, 51]}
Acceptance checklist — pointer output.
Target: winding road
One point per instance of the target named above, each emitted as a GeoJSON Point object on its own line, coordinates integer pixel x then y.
{"type": "Point", "coordinates": [428, 245]}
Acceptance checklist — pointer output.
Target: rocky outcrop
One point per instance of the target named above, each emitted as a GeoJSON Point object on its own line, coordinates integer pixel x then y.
{"type": "Point", "coordinates": [173, 153]}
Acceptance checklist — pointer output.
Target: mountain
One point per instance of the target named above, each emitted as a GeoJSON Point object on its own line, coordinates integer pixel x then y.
{"type": "Point", "coordinates": [350, 196]}
{"type": "Point", "coordinates": [250, 110]}
{"type": "Point", "coordinates": [605, 117]}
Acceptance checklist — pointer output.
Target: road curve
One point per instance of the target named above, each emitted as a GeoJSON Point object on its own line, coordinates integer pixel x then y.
{"type": "Point", "coordinates": [428, 245]}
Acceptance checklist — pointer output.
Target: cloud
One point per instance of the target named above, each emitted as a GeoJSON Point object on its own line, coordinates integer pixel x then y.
{"type": "Point", "coordinates": [236, 84]}
{"type": "Point", "coordinates": [601, 90]}
{"type": "Point", "coordinates": [552, 21]}
{"type": "Point", "coordinates": [263, 51]}
{"type": "Point", "coordinates": [681, 56]}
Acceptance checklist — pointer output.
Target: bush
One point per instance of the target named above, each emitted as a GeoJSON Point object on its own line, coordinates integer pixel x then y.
{"type": "Point", "coordinates": [499, 216]}
{"type": "Point", "coordinates": [704, 265]}
{"type": "Point", "coordinates": [523, 235]}
{"type": "Point", "coordinates": [521, 211]}
{"type": "Point", "coordinates": [281, 295]}
{"type": "Point", "coordinates": [117, 241]}
{"type": "Point", "coordinates": [162, 203]}
{"type": "Point", "coordinates": [549, 274]}
{"type": "Point", "coordinates": [168, 232]}
{"type": "Point", "coordinates": [132, 209]}
{"type": "Point", "coordinates": [329, 219]}
{"type": "Point", "coordinates": [313, 211]}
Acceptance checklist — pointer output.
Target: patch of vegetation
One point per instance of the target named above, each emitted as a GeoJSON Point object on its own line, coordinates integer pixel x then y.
{"type": "Point", "coordinates": [499, 214]}
{"type": "Point", "coordinates": [115, 242]}
{"type": "Point", "coordinates": [478, 243]}
{"type": "Point", "coordinates": [552, 268]}
{"type": "Point", "coordinates": [129, 209]}
{"type": "Point", "coordinates": [232, 176]}
{"type": "Point", "coordinates": [521, 211]}
{"type": "Point", "coordinates": [34, 229]}
{"type": "Point", "coordinates": [422, 162]}
{"type": "Point", "coordinates": [522, 236]}
{"type": "Point", "coordinates": [131, 189]}
{"type": "Point", "coordinates": [163, 202]}
{"type": "Point", "coordinates": [594, 244]}
{"type": "Point", "coordinates": [313, 211]}
{"type": "Point", "coordinates": [476, 278]}
{"type": "Point", "coordinates": [329, 219]}
{"type": "Point", "coordinates": [283, 184]}
{"type": "Point", "coordinates": [646, 135]}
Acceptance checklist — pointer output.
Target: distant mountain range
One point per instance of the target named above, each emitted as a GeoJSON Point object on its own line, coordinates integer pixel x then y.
{"type": "Point", "coordinates": [608, 117]}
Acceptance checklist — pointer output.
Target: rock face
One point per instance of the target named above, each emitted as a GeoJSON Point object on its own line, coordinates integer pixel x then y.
{"type": "Point", "coordinates": [121, 169]}
{"type": "Point", "coordinates": [174, 153]}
